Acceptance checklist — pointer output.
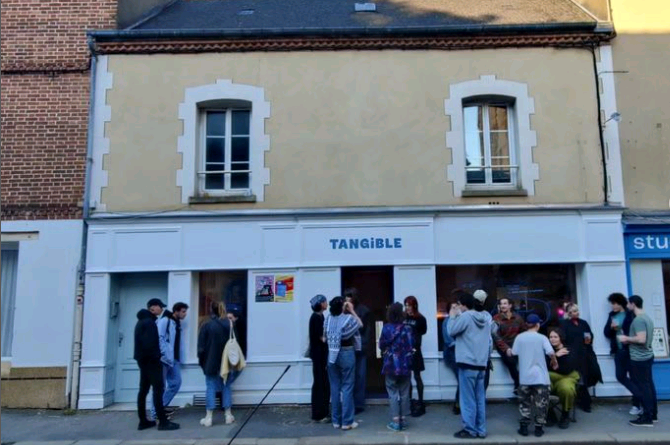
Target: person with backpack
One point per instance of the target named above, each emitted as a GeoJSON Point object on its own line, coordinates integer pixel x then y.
{"type": "Point", "coordinates": [396, 344]}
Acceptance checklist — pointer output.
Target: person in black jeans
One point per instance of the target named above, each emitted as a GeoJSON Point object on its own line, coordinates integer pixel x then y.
{"type": "Point", "coordinates": [148, 356]}
{"type": "Point", "coordinates": [318, 352]}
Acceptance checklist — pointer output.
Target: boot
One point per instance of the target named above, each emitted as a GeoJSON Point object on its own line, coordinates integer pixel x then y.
{"type": "Point", "coordinates": [539, 431]}
{"type": "Point", "coordinates": [207, 420]}
{"type": "Point", "coordinates": [419, 409]}
{"type": "Point", "coordinates": [168, 426]}
{"type": "Point", "coordinates": [229, 416]}
{"type": "Point", "coordinates": [564, 423]}
{"type": "Point", "coordinates": [523, 429]}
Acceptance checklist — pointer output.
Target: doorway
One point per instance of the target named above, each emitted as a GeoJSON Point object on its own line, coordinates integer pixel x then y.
{"type": "Point", "coordinates": [375, 290]}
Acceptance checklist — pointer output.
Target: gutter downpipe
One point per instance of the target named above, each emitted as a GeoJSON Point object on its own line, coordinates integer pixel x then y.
{"type": "Point", "coordinates": [81, 275]}
{"type": "Point", "coordinates": [600, 126]}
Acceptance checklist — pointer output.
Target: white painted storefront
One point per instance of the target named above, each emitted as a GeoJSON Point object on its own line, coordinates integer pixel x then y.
{"type": "Point", "coordinates": [132, 261]}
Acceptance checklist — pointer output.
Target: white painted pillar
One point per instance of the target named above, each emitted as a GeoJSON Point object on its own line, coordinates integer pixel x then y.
{"type": "Point", "coordinates": [180, 285]}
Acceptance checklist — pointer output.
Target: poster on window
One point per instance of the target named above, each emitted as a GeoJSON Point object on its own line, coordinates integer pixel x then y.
{"type": "Point", "coordinates": [284, 288]}
{"type": "Point", "coordinates": [659, 343]}
{"type": "Point", "coordinates": [265, 285]}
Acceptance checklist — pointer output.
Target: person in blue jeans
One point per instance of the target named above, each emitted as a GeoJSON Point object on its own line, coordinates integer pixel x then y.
{"type": "Point", "coordinates": [170, 341]}
{"type": "Point", "coordinates": [211, 341]}
{"type": "Point", "coordinates": [366, 337]}
{"type": "Point", "coordinates": [341, 331]}
{"type": "Point", "coordinates": [470, 327]}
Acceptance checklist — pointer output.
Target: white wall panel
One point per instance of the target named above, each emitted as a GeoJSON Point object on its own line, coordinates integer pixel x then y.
{"type": "Point", "coordinates": [221, 245]}
{"type": "Point", "coordinates": [506, 239]}
{"type": "Point", "coordinates": [148, 248]}
{"type": "Point", "coordinates": [604, 238]}
{"type": "Point", "coordinates": [647, 280]}
{"type": "Point", "coordinates": [420, 282]}
{"type": "Point", "coordinates": [326, 281]}
{"type": "Point", "coordinates": [280, 245]}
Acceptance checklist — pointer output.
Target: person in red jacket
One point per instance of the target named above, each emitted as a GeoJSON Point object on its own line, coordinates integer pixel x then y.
{"type": "Point", "coordinates": [509, 325]}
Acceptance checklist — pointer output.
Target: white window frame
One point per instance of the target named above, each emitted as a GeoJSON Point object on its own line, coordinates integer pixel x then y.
{"type": "Point", "coordinates": [488, 158]}
{"type": "Point", "coordinates": [197, 98]}
{"type": "Point", "coordinates": [202, 154]}
{"type": "Point", "coordinates": [524, 139]}
{"type": "Point", "coordinates": [13, 246]}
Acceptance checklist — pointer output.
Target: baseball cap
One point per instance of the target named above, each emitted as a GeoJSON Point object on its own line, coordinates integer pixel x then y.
{"type": "Point", "coordinates": [533, 319]}
{"type": "Point", "coordinates": [480, 296]}
{"type": "Point", "coordinates": [155, 302]}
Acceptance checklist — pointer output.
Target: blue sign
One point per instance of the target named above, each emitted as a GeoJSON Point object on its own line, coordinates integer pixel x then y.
{"type": "Point", "coordinates": [648, 245]}
{"type": "Point", "coordinates": [365, 243]}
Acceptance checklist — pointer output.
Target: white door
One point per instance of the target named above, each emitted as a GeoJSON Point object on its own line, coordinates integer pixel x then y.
{"type": "Point", "coordinates": [135, 289]}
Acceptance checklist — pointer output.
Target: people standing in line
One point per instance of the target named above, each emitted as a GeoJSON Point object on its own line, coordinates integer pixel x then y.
{"type": "Point", "coordinates": [211, 341]}
{"type": "Point", "coordinates": [449, 354]}
{"type": "Point", "coordinates": [397, 345]}
{"type": "Point", "coordinates": [366, 335]}
{"type": "Point", "coordinates": [417, 322]}
{"type": "Point", "coordinates": [341, 329]}
{"type": "Point", "coordinates": [148, 355]}
{"type": "Point", "coordinates": [471, 330]}
{"type": "Point", "coordinates": [509, 325]}
{"type": "Point", "coordinates": [318, 353]}
{"type": "Point", "coordinates": [170, 340]}
{"type": "Point", "coordinates": [618, 323]}
{"type": "Point", "coordinates": [641, 362]}
{"type": "Point", "coordinates": [531, 347]}
{"type": "Point", "coordinates": [579, 339]}
{"type": "Point", "coordinates": [563, 379]}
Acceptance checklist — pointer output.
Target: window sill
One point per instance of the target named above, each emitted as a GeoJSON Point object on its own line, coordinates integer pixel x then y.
{"type": "Point", "coordinates": [474, 193]}
{"type": "Point", "coordinates": [223, 199]}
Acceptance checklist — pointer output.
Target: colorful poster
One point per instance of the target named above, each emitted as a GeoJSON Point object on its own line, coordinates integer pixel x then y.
{"type": "Point", "coordinates": [265, 285]}
{"type": "Point", "coordinates": [284, 288]}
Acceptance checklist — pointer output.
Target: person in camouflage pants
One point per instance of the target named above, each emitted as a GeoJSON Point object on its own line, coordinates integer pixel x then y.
{"type": "Point", "coordinates": [532, 348]}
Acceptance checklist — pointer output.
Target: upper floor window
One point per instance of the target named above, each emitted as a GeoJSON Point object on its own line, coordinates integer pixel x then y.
{"type": "Point", "coordinates": [490, 139]}
{"type": "Point", "coordinates": [489, 150]}
{"type": "Point", "coordinates": [224, 143]}
{"type": "Point", "coordinates": [225, 156]}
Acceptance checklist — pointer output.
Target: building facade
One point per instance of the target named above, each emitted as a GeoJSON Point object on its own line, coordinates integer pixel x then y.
{"type": "Point", "coordinates": [263, 169]}
{"type": "Point", "coordinates": [642, 92]}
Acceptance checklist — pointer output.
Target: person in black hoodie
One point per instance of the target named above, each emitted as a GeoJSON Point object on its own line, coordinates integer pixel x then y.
{"type": "Point", "coordinates": [618, 323]}
{"type": "Point", "coordinates": [318, 352]}
{"type": "Point", "coordinates": [148, 356]}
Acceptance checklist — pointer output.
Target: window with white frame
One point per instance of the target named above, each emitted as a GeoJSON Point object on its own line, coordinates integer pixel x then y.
{"type": "Point", "coordinates": [491, 139]}
{"type": "Point", "coordinates": [225, 160]}
{"type": "Point", "coordinates": [489, 149]}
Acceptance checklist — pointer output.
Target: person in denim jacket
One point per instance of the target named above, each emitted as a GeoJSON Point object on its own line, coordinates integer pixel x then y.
{"type": "Point", "coordinates": [396, 344]}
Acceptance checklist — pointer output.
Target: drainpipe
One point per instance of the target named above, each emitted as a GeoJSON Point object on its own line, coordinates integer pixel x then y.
{"type": "Point", "coordinates": [600, 125]}
{"type": "Point", "coordinates": [81, 276]}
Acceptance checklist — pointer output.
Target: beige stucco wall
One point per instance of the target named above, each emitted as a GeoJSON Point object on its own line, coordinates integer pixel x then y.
{"type": "Point", "coordinates": [642, 48]}
{"type": "Point", "coordinates": [351, 128]}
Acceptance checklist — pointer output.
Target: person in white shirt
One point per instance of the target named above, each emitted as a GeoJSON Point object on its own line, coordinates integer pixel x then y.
{"type": "Point", "coordinates": [534, 384]}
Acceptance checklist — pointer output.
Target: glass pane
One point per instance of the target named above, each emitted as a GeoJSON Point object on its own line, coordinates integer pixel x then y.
{"type": "Point", "coordinates": [240, 149]}
{"type": "Point", "coordinates": [214, 182]}
{"type": "Point", "coordinates": [240, 166]}
{"type": "Point", "coordinates": [215, 150]}
{"type": "Point", "coordinates": [231, 288]}
{"type": "Point", "coordinates": [472, 117]}
{"type": "Point", "coordinates": [241, 122]}
{"type": "Point", "coordinates": [500, 148]}
{"type": "Point", "coordinates": [239, 180]}
{"type": "Point", "coordinates": [498, 117]}
{"type": "Point", "coordinates": [475, 176]}
{"type": "Point", "coordinates": [474, 157]}
{"type": "Point", "coordinates": [216, 123]}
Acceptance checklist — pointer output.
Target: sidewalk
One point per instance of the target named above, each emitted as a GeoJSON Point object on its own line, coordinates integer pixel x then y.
{"type": "Point", "coordinates": [289, 425]}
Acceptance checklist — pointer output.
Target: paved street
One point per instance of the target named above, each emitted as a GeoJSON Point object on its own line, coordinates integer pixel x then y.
{"type": "Point", "coordinates": [287, 425]}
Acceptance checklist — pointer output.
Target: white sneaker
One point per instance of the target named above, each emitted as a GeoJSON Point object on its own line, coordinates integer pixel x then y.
{"type": "Point", "coordinates": [635, 411]}
{"type": "Point", "coordinates": [350, 427]}
{"type": "Point", "coordinates": [229, 417]}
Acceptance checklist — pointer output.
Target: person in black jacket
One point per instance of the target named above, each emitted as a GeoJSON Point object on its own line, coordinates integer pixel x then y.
{"type": "Point", "coordinates": [148, 356]}
{"type": "Point", "coordinates": [318, 352]}
{"type": "Point", "coordinates": [211, 341]}
{"type": "Point", "coordinates": [366, 333]}
{"type": "Point", "coordinates": [618, 323]}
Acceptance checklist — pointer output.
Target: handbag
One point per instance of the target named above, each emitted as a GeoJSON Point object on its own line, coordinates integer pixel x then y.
{"type": "Point", "coordinates": [234, 350]}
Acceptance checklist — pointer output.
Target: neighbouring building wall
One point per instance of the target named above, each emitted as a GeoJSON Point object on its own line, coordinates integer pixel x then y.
{"type": "Point", "coordinates": [643, 93]}
{"type": "Point", "coordinates": [348, 128]}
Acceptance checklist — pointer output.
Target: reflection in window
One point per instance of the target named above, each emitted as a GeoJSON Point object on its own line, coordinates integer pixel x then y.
{"type": "Point", "coordinates": [538, 288]}
{"type": "Point", "coordinates": [488, 158]}
{"type": "Point", "coordinates": [231, 288]}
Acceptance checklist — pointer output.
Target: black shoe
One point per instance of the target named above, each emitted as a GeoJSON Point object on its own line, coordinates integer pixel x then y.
{"type": "Point", "coordinates": [146, 425]}
{"type": "Point", "coordinates": [539, 431]}
{"type": "Point", "coordinates": [359, 410]}
{"type": "Point", "coordinates": [168, 426]}
{"type": "Point", "coordinates": [462, 434]}
{"type": "Point", "coordinates": [523, 429]}
{"type": "Point", "coordinates": [641, 422]}
{"type": "Point", "coordinates": [456, 410]}
{"type": "Point", "coordinates": [564, 423]}
{"type": "Point", "coordinates": [419, 410]}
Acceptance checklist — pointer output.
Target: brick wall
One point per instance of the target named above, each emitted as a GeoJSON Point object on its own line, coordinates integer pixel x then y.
{"type": "Point", "coordinates": [44, 104]}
